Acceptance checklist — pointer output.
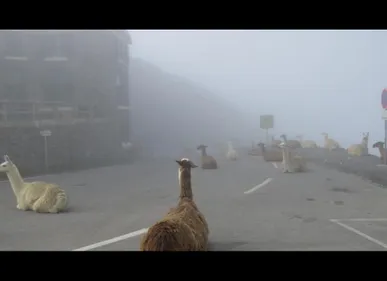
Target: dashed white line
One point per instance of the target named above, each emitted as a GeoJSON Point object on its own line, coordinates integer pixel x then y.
{"type": "Point", "coordinates": [369, 238]}
{"type": "Point", "coordinates": [112, 240]}
{"type": "Point", "coordinates": [265, 182]}
{"type": "Point", "coordinates": [275, 165]}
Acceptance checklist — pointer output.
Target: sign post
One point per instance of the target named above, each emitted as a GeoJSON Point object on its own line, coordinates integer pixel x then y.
{"type": "Point", "coordinates": [266, 123]}
{"type": "Point", "coordinates": [45, 134]}
{"type": "Point", "coordinates": [384, 117]}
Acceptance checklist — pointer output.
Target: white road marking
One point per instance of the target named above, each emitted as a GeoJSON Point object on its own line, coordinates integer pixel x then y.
{"type": "Point", "coordinates": [275, 165]}
{"type": "Point", "coordinates": [265, 182]}
{"type": "Point", "coordinates": [369, 238]}
{"type": "Point", "coordinates": [373, 219]}
{"type": "Point", "coordinates": [112, 240]}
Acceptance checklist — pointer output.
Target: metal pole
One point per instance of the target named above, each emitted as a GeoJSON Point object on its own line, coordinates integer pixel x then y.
{"type": "Point", "coordinates": [45, 153]}
{"type": "Point", "coordinates": [385, 142]}
{"type": "Point", "coordinates": [267, 136]}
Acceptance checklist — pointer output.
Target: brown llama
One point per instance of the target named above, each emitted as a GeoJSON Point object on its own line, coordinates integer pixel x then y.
{"type": "Point", "coordinates": [184, 228]}
{"type": "Point", "coordinates": [208, 162]}
{"type": "Point", "coordinates": [291, 143]}
{"type": "Point", "coordinates": [271, 155]}
{"type": "Point", "coordinates": [382, 151]}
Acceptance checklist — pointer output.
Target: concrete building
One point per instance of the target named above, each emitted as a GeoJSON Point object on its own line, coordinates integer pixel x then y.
{"type": "Point", "coordinates": [74, 83]}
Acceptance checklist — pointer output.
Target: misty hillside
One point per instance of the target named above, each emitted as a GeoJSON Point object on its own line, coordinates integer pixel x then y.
{"type": "Point", "coordinates": [171, 111]}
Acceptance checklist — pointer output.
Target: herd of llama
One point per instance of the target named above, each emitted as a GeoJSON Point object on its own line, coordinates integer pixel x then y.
{"type": "Point", "coordinates": [184, 227]}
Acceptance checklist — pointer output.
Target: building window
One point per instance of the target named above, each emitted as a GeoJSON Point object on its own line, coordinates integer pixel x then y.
{"type": "Point", "coordinates": [14, 73]}
{"type": "Point", "coordinates": [14, 45]}
{"type": "Point", "coordinates": [58, 92]}
{"type": "Point", "coordinates": [57, 84]}
{"type": "Point", "coordinates": [57, 46]}
{"type": "Point", "coordinates": [15, 92]}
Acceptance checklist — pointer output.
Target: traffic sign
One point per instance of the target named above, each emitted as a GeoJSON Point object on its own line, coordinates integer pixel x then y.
{"type": "Point", "coordinates": [384, 98]}
{"type": "Point", "coordinates": [267, 122]}
{"type": "Point", "coordinates": [45, 133]}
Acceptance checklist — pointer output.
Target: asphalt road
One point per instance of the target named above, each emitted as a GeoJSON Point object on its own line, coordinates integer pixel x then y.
{"type": "Point", "coordinates": [291, 212]}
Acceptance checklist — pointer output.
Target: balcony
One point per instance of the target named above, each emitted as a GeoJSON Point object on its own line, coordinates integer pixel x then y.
{"type": "Point", "coordinates": [38, 114]}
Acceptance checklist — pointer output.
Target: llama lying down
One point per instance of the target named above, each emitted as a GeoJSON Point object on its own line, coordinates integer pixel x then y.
{"type": "Point", "coordinates": [184, 227]}
{"type": "Point", "coordinates": [37, 196]}
{"type": "Point", "coordinates": [292, 163]}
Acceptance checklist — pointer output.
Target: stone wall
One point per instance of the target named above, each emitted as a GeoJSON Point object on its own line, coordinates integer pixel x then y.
{"type": "Point", "coordinates": [74, 147]}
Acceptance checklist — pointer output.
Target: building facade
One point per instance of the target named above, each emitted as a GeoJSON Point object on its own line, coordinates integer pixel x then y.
{"type": "Point", "coordinates": [74, 83]}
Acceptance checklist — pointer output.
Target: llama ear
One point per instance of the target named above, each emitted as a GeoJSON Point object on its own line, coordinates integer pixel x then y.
{"type": "Point", "coordinates": [178, 162]}
{"type": "Point", "coordinates": [192, 164]}
{"type": "Point", "coordinates": [7, 159]}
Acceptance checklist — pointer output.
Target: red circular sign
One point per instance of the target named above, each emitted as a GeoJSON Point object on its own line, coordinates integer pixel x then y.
{"type": "Point", "coordinates": [384, 98]}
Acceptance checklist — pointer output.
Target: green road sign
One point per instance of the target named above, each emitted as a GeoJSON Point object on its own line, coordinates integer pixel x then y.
{"type": "Point", "coordinates": [267, 122]}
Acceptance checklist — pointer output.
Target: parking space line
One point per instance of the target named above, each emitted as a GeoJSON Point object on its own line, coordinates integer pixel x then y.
{"type": "Point", "coordinates": [112, 240]}
{"type": "Point", "coordinates": [265, 182]}
{"type": "Point", "coordinates": [369, 238]}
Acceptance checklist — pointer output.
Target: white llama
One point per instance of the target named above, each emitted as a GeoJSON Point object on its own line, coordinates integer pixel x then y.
{"type": "Point", "coordinates": [231, 153]}
{"type": "Point", "coordinates": [37, 196]}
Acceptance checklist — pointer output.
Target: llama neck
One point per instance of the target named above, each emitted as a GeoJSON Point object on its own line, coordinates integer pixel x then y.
{"type": "Point", "coordinates": [381, 150]}
{"type": "Point", "coordinates": [286, 155]}
{"type": "Point", "coordinates": [15, 180]}
{"type": "Point", "coordinates": [185, 185]}
{"type": "Point", "coordinates": [364, 142]}
{"type": "Point", "coordinates": [204, 153]}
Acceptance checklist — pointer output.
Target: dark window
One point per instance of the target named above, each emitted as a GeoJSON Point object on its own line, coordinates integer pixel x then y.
{"type": "Point", "coordinates": [13, 44]}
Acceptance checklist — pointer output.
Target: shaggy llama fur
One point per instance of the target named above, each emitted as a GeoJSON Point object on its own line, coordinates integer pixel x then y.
{"type": "Point", "coordinates": [291, 143]}
{"type": "Point", "coordinates": [184, 228]}
{"type": "Point", "coordinates": [37, 196]}
{"type": "Point", "coordinates": [271, 155]}
{"type": "Point", "coordinates": [292, 163]}
{"type": "Point", "coordinates": [231, 153]}
{"type": "Point", "coordinates": [359, 149]}
{"type": "Point", "coordinates": [382, 151]}
{"type": "Point", "coordinates": [307, 143]}
{"type": "Point", "coordinates": [207, 161]}
{"type": "Point", "coordinates": [330, 144]}
{"type": "Point", "coordinates": [274, 142]}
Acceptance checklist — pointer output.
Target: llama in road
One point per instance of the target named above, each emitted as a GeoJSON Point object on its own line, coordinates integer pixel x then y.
{"type": "Point", "coordinates": [37, 196]}
{"type": "Point", "coordinates": [208, 162]}
{"type": "Point", "coordinates": [231, 152]}
{"type": "Point", "coordinates": [291, 163]}
{"type": "Point", "coordinates": [359, 149]}
{"type": "Point", "coordinates": [184, 228]}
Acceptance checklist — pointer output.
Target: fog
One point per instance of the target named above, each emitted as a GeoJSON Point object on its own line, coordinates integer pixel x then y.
{"type": "Point", "coordinates": [311, 81]}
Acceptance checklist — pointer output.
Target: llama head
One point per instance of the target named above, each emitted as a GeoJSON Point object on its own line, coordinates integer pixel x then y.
{"type": "Point", "coordinates": [7, 165]}
{"type": "Point", "coordinates": [283, 145]}
{"type": "Point", "coordinates": [185, 163]}
{"type": "Point", "coordinates": [378, 144]}
{"type": "Point", "coordinates": [202, 147]}
{"type": "Point", "coordinates": [185, 166]}
{"type": "Point", "coordinates": [283, 136]}
{"type": "Point", "coordinates": [261, 144]}
{"type": "Point", "coordinates": [324, 134]}
{"type": "Point", "coordinates": [366, 136]}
